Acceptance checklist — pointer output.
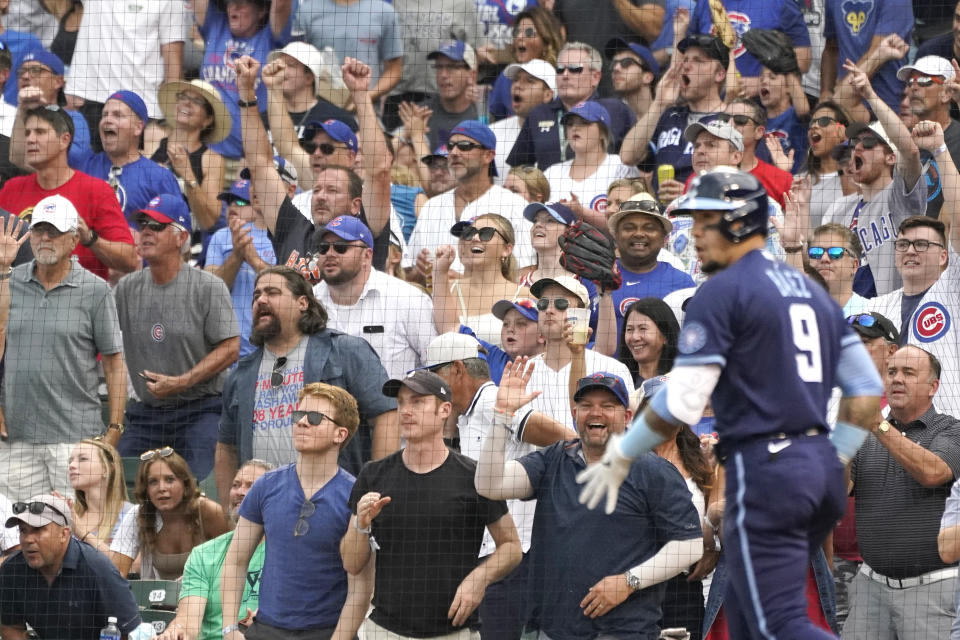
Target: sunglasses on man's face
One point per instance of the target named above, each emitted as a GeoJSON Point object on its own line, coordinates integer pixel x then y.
{"type": "Point", "coordinates": [924, 81]}
{"type": "Point", "coordinates": [325, 148]}
{"type": "Point", "coordinates": [153, 225]}
{"type": "Point", "coordinates": [867, 142]}
{"type": "Point", "coordinates": [314, 418]}
{"type": "Point", "coordinates": [339, 247]}
{"type": "Point", "coordinates": [626, 63]}
{"type": "Point", "coordinates": [485, 234]}
{"type": "Point", "coordinates": [823, 121]}
{"type": "Point", "coordinates": [574, 69]}
{"type": "Point", "coordinates": [463, 145]}
{"type": "Point", "coordinates": [560, 304]}
{"type": "Point", "coordinates": [738, 119]}
{"type": "Point", "coordinates": [834, 253]}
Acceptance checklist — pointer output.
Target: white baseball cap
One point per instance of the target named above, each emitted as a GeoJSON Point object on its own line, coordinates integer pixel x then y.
{"type": "Point", "coordinates": [450, 347]}
{"type": "Point", "coordinates": [325, 81]}
{"type": "Point", "coordinates": [928, 66]}
{"type": "Point", "coordinates": [55, 210]}
{"type": "Point", "coordinates": [539, 69]}
{"type": "Point", "coordinates": [716, 128]}
{"type": "Point", "coordinates": [569, 283]}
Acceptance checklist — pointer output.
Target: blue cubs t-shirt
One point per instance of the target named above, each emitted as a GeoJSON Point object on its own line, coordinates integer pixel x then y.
{"type": "Point", "coordinates": [217, 68]}
{"type": "Point", "coordinates": [782, 15]}
{"type": "Point", "coordinates": [663, 279]}
{"type": "Point", "coordinates": [138, 183]}
{"type": "Point", "coordinates": [854, 23]}
{"type": "Point", "coordinates": [778, 336]}
{"type": "Point", "coordinates": [668, 145]}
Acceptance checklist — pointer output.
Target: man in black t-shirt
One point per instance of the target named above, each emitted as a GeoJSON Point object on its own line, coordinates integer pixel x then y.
{"type": "Point", "coordinates": [419, 509]}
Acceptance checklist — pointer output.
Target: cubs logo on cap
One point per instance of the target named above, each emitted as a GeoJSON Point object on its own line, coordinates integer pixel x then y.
{"type": "Point", "coordinates": [931, 322]}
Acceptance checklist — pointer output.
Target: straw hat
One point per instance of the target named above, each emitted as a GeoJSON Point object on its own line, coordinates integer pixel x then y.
{"type": "Point", "coordinates": [167, 97]}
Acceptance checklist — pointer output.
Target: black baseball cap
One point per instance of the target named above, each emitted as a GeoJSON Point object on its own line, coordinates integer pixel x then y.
{"type": "Point", "coordinates": [711, 45]}
{"type": "Point", "coordinates": [421, 382]}
{"type": "Point", "coordinates": [873, 325]}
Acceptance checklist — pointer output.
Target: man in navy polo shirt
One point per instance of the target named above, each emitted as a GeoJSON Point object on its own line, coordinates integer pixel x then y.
{"type": "Point", "coordinates": [653, 534]}
{"type": "Point", "coordinates": [541, 140]}
{"type": "Point", "coordinates": [61, 587]}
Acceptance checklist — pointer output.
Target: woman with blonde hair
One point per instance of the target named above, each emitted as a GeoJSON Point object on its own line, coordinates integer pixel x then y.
{"type": "Point", "coordinates": [581, 182]}
{"type": "Point", "coordinates": [485, 249]}
{"type": "Point", "coordinates": [100, 493]}
{"type": "Point", "coordinates": [170, 518]}
{"type": "Point", "coordinates": [529, 183]}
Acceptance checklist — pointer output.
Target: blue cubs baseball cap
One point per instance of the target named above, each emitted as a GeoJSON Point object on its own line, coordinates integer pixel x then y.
{"type": "Point", "coordinates": [616, 45]}
{"type": "Point", "coordinates": [239, 189]}
{"type": "Point", "coordinates": [603, 380]}
{"type": "Point", "coordinates": [133, 101]}
{"type": "Point", "coordinates": [650, 386]}
{"type": "Point", "coordinates": [456, 50]}
{"type": "Point", "coordinates": [478, 132]}
{"type": "Point", "coordinates": [347, 228]}
{"type": "Point", "coordinates": [591, 112]}
{"type": "Point", "coordinates": [559, 212]}
{"type": "Point", "coordinates": [44, 57]}
{"type": "Point", "coordinates": [168, 208]}
{"type": "Point", "coordinates": [524, 306]}
{"type": "Point", "coordinates": [339, 131]}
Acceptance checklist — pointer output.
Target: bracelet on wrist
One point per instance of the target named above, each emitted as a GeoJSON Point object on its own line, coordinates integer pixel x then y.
{"type": "Point", "coordinates": [6, 274]}
{"type": "Point", "coordinates": [228, 630]}
{"type": "Point", "coordinates": [939, 150]}
{"type": "Point", "coordinates": [243, 104]}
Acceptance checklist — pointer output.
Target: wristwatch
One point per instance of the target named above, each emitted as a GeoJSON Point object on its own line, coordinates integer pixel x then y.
{"type": "Point", "coordinates": [228, 630]}
{"type": "Point", "coordinates": [94, 236]}
{"type": "Point", "coordinates": [632, 581]}
{"type": "Point", "coordinates": [116, 425]}
{"type": "Point", "coordinates": [193, 184]}
{"type": "Point", "coordinates": [884, 427]}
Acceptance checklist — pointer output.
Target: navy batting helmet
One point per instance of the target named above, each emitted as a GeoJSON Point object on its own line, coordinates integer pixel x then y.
{"type": "Point", "coordinates": [739, 195]}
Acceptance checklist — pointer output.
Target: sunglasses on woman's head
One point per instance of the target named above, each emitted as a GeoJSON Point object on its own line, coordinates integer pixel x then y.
{"type": "Point", "coordinates": [164, 452]}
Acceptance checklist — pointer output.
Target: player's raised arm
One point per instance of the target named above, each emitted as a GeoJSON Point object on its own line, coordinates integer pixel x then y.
{"type": "Point", "coordinates": [862, 387]}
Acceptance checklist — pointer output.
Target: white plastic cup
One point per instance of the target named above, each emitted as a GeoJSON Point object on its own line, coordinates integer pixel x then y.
{"type": "Point", "coordinates": [579, 320]}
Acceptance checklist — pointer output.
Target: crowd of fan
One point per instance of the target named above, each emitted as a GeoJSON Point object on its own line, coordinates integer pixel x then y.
{"type": "Point", "coordinates": [326, 243]}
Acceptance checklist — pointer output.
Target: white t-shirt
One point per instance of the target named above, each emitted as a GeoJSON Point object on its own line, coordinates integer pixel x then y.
{"type": "Point", "coordinates": [592, 192]}
{"type": "Point", "coordinates": [118, 47]}
{"type": "Point", "coordinates": [474, 425]}
{"type": "Point", "coordinates": [438, 215]}
{"type": "Point", "coordinates": [555, 399]}
{"type": "Point", "coordinates": [507, 131]}
{"type": "Point", "coordinates": [9, 538]}
{"type": "Point", "coordinates": [933, 328]}
{"type": "Point", "coordinates": [394, 317]}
